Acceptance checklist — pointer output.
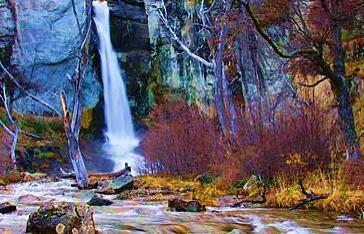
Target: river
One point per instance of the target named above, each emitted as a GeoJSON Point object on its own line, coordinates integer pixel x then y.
{"type": "Point", "coordinates": [152, 217]}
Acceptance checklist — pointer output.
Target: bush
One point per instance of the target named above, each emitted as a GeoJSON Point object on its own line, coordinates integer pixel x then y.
{"type": "Point", "coordinates": [182, 141]}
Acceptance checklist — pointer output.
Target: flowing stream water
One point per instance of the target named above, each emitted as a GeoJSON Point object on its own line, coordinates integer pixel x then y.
{"type": "Point", "coordinates": [152, 217]}
{"type": "Point", "coordinates": [120, 137]}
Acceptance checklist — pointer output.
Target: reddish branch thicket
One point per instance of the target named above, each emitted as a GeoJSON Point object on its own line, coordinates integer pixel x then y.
{"type": "Point", "coordinates": [183, 142]}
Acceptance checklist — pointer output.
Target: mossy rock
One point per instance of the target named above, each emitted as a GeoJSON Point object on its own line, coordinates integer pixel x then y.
{"type": "Point", "coordinates": [180, 205]}
{"type": "Point", "coordinates": [61, 218]}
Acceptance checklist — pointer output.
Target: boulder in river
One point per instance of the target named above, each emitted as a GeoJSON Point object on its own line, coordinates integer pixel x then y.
{"type": "Point", "coordinates": [30, 199]}
{"type": "Point", "coordinates": [180, 205]}
{"type": "Point", "coordinates": [7, 207]}
{"type": "Point", "coordinates": [117, 185]}
{"type": "Point", "coordinates": [96, 200]}
{"type": "Point", "coordinates": [122, 183]}
{"type": "Point", "coordinates": [61, 218]}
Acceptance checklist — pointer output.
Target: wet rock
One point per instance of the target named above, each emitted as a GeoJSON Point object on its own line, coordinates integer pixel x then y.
{"type": "Point", "coordinates": [227, 201]}
{"type": "Point", "coordinates": [27, 177]}
{"type": "Point", "coordinates": [180, 205]}
{"type": "Point", "coordinates": [7, 207]}
{"type": "Point", "coordinates": [61, 218]}
{"type": "Point", "coordinates": [117, 185]}
{"type": "Point", "coordinates": [96, 200]}
{"type": "Point", "coordinates": [122, 183]}
{"type": "Point", "coordinates": [30, 199]}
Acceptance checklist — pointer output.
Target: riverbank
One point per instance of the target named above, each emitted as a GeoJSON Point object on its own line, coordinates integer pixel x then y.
{"type": "Point", "coordinates": [139, 214]}
{"type": "Point", "coordinates": [340, 197]}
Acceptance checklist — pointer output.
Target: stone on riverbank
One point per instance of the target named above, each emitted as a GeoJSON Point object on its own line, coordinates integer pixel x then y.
{"type": "Point", "coordinates": [180, 205]}
{"type": "Point", "coordinates": [7, 207]}
{"type": "Point", "coordinates": [99, 201]}
{"type": "Point", "coordinates": [61, 218]}
{"type": "Point", "coordinates": [30, 199]}
{"type": "Point", "coordinates": [117, 185]}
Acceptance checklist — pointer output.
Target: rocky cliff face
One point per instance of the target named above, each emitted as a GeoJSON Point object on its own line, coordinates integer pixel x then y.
{"type": "Point", "coordinates": [41, 38]}
{"type": "Point", "coordinates": [47, 41]}
{"type": "Point", "coordinates": [7, 29]}
{"type": "Point", "coordinates": [170, 67]}
{"type": "Point", "coordinates": [130, 38]}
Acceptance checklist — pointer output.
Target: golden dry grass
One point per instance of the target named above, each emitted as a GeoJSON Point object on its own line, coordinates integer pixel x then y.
{"type": "Point", "coordinates": [208, 194]}
{"type": "Point", "coordinates": [341, 196]}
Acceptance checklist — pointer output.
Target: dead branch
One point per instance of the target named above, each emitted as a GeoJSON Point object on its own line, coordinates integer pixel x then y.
{"type": "Point", "coordinates": [310, 197]}
{"type": "Point", "coordinates": [99, 176]}
{"type": "Point", "coordinates": [72, 117]}
{"type": "Point", "coordinates": [162, 13]}
{"type": "Point", "coordinates": [26, 92]}
{"type": "Point", "coordinates": [14, 133]}
{"type": "Point", "coordinates": [314, 84]}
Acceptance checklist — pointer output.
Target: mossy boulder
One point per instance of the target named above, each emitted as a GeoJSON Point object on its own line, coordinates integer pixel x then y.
{"type": "Point", "coordinates": [122, 183]}
{"type": "Point", "coordinates": [61, 218]}
{"type": "Point", "coordinates": [180, 205]}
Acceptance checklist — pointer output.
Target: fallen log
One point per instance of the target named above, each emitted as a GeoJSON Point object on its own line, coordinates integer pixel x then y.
{"type": "Point", "coordinates": [99, 176]}
{"type": "Point", "coordinates": [310, 197]}
{"type": "Point", "coordinates": [110, 176]}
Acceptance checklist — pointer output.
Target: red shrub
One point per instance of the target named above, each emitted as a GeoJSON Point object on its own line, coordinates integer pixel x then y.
{"type": "Point", "coordinates": [181, 142]}
{"type": "Point", "coordinates": [184, 142]}
{"type": "Point", "coordinates": [354, 172]}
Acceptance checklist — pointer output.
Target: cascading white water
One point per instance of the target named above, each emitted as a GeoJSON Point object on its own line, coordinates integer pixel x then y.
{"type": "Point", "coordinates": [120, 136]}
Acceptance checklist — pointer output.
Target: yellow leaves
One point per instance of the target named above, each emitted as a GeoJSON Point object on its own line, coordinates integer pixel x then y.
{"type": "Point", "coordinates": [86, 118]}
{"type": "Point", "coordinates": [295, 159]}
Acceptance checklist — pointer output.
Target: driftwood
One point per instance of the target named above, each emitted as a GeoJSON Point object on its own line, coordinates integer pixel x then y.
{"type": "Point", "coordinates": [94, 177]}
{"type": "Point", "coordinates": [109, 176]}
{"type": "Point", "coordinates": [310, 197]}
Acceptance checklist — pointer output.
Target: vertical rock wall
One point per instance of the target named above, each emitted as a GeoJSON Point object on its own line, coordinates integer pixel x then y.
{"type": "Point", "coordinates": [44, 50]}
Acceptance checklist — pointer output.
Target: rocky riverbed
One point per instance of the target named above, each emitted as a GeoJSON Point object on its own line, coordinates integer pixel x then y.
{"type": "Point", "coordinates": [137, 216]}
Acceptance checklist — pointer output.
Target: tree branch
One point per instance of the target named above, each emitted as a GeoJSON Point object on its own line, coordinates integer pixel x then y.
{"type": "Point", "coordinates": [163, 18]}
{"type": "Point", "coordinates": [314, 84]}
{"type": "Point", "coordinates": [37, 99]}
{"type": "Point", "coordinates": [310, 197]}
{"type": "Point", "coordinates": [268, 39]}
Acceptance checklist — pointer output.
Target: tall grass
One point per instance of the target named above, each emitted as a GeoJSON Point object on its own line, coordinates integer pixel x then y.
{"type": "Point", "coordinates": [342, 196]}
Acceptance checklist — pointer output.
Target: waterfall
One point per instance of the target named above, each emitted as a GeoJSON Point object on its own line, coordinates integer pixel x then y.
{"type": "Point", "coordinates": [120, 137]}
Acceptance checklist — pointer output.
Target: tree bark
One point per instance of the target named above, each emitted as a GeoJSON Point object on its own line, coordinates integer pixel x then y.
{"type": "Point", "coordinates": [74, 151]}
{"type": "Point", "coordinates": [218, 75]}
{"type": "Point", "coordinates": [342, 92]}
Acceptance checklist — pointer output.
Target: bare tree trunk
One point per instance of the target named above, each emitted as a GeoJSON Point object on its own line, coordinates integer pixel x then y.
{"type": "Point", "coordinates": [72, 124]}
{"type": "Point", "coordinates": [218, 75]}
{"type": "Point", "coordinates": [342, 92]}
{"type": "Point", "coordinates": [229, 102]}
{"type": "Point", "coordinates": [15, 132]}
{"type": "Point", "coordinates": [74, 152]}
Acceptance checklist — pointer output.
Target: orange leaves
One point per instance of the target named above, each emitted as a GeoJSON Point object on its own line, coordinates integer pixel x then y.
{"type": "Point", "coordinates": [273, 12]}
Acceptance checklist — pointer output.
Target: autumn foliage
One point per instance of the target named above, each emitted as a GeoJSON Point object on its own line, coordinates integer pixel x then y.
{"type": "Point", "coordinates": [181, 141]}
